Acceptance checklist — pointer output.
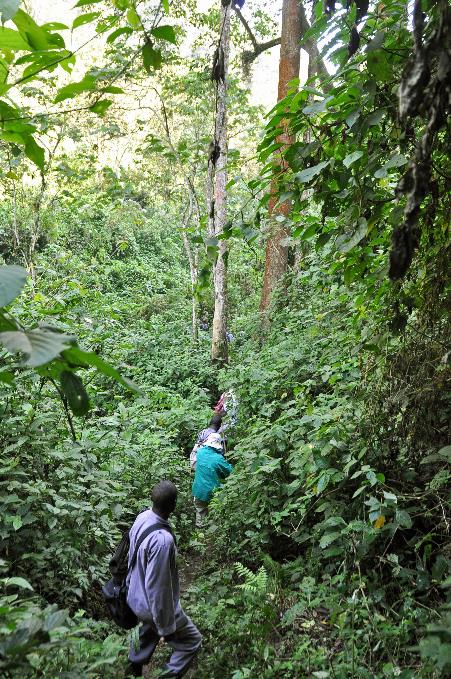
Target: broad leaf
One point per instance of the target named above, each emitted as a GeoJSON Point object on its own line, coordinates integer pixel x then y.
{"type": "Point", "coordinates": [75, 392]}
{"type": "Point", "coordinates": [328, 538]}
{"type": "Point", "coordinates": [351, 158]}
{"type": "Point", "coordinates": [165, 33]}
{"type": "Point", "coordinates": [125, 30]}
{"type": "Point", "coordinates": [39, 346]}
{"type": "Point", "coordinates": [81, 358]}
{"type": "Point", "coordinates": [18, 582]}
{"type": "Point", "coordinates": [12, 281]}
{"type": "Point", "coordinates": [307, 175]}
{"type": "Point", "coordinates": [11, 39]}
{"type": "Point", "coordinates": [359, 234]}
{"type": "Point", "coordinates": [85, 19]}
{"type": "Point", "coordinates": [316, 107]}
{"type": "Point", "coordinates": [152, 57]}
{"type": "Point", "coordinates": [379, 66]}
{"type": "Point", "coordinates": [35, 152]}
{"type": "Point", "coordinates": [376, 42]}
{"type": "Point", "coordinates": [34, 34]}
{"type": "Point", "coordinates": [101, 106]}
{"type": "Point", "coordinates": [88, 84]}
{"type": "Point", "coordinates": [83, 3]}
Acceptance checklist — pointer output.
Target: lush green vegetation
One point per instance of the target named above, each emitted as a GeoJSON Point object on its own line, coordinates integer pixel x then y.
{"type": "Point", "coordinates": [327, 552]}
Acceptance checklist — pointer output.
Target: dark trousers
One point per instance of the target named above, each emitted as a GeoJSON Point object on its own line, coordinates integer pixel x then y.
{"type": "Point", "coordinates": [185, 643]}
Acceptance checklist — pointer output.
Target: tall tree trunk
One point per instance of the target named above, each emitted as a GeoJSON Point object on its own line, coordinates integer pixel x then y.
{"type": "Point", "coordinates": [276, 249]}
{"type": "Point", "coordinates": [216, 189]}
{"type": "Point", "coordinates": [193, 262]}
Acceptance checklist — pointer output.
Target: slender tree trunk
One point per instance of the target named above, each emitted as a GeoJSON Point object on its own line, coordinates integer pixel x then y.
{"type": "Point", "coordinates": [193, 262]}
{"type": "Point", "coordinates": [217, 197]}
{"type": "Point", "coordinates": [276, 249]}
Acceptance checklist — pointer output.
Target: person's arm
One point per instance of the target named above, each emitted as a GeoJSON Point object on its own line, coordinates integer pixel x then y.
{"type": "Point", "coordinates": [224, 468]}
{"type": "Point", "coordinates": [158, 584]}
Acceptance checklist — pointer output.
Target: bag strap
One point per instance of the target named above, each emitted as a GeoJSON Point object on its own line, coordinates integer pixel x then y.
{"type": "Point", "coordinates": [147, 532]}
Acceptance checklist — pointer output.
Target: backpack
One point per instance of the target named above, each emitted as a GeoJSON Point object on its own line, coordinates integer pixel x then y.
{"type": "Point", "coordinates": [115, 590]}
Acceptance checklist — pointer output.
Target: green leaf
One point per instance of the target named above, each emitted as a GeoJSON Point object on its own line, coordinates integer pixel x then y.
{"type": "Point", "coordinates": [88, 84]}
{"type": "Point", "coordinates": [375, 117]}
{"type": "Point", "coordinates": [376, 42]}
{"type": "Point", "coordinates": [75, 392]}
{"type": "Point", "coordinates": [101, 106]}
{"type": "Point", "coordinates": [85, 19]}
{"type": "Point", "coordinates": [397, 160]}
{"type": "Point", "coordinates": [165, 33]}
{"type": "Point", "coordinates": [307, 175]}
{"type": "Point", "coordinates": [113, 89]}
{"type": "Point", "coordinates": [352, 118]}
{"type": "Point", "coordinates": [17, 522]}
{"type": "Point", "coordinates": [54, 620]}
{"type": "Point", "coordinates": [152, 57]}
{"type": "Point", "coordinates": [125, 30]}
{"type": "Point", "coordinates": [403, 518]}
{"type": "Point", "coordinates": [55, 26]}
{"type": "Point", "coordinates": [39, 346]}
{"type": "Point", "coordinates": [12, 281]}
{"type": "Point", "coordinates": [379, 66]}
{"type": "Point", "coordinates": [6, 377]}
{"type": "Point", "coordinates": [19, 582]}
{"type": "Point", "coordinates": [11, 39]}
{"type": "Point", "coordinates": [29, 29]}
{"type": "Point", "coordinates": [357, 236]}
{"type": "Point", "coordinates": [351, 158]}
{"type": "Point", "coordinates": [35, 152]}
{"type": "Point", "coordinates": [359, 491]}
{"type": "Point", "coordinates": [165, 4]}
{"type": "Point", "coordinates": [317, 106]}
{"type": "Point", "coordinates": [83, 3]}
{"type": "Point", "coordinates": [350, 274]}
{"type": "Point", "coordinates": [327, 539]}
{"type": "Point", "coordinates": [133, 18]}
{"type": "Point", "coordinates": [8, 8]}
{"type": "Point", "coordinates": [82, 358]}
{"type": "Point", "coordinates": [445, 452]}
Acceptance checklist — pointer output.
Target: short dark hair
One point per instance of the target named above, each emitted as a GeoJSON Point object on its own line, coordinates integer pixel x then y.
{"type": "Point", "coordinates": [215, 422]}
{"type": "Point", "coordinates": [164, 496]}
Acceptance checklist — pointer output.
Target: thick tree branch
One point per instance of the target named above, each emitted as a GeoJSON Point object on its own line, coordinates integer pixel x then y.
{"type": "Point", "coordinates": [259, 47]}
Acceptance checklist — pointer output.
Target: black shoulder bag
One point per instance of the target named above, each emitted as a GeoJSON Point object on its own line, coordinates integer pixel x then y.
{"type": "Point", "coordinates": [115, 590]}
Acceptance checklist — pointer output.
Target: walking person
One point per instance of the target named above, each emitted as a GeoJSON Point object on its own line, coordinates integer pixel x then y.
{"type": "Point", "coordinates": [154, 590]}
{"type": "Point", "coordinates": [214, 427]}
{"type": "Point", "coordinates": [211, 470]}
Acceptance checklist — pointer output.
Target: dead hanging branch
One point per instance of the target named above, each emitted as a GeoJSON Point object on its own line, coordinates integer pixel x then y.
{"type": "Point", "coordinates": [424, 91]}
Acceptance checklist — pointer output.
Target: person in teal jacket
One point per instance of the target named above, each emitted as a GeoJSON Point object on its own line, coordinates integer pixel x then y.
{"type": "Point", "coordinates": [211, 470]}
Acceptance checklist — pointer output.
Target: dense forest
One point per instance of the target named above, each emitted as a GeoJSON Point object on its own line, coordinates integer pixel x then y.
{"type": "Point", "coordinates": [228, 196]}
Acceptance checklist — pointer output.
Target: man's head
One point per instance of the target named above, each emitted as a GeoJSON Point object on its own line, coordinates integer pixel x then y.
{"type": "Point", "coordinates": [215, 422]}
{"type": "Point", "coordinates": [164, 498]}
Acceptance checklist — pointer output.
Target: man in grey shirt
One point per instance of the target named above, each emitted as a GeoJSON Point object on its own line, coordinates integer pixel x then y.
{"type": "Point", "coordinates": [154, 590]}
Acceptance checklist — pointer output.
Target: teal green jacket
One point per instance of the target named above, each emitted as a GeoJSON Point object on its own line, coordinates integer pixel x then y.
{"type": "Point", "coordinates": [211, 469]}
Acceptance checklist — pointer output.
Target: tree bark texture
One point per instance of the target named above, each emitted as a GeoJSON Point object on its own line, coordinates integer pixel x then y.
{"type": "Point", "coordinates": [218, 201]}
{"type": "Point", "coordinates": [289, 63]}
